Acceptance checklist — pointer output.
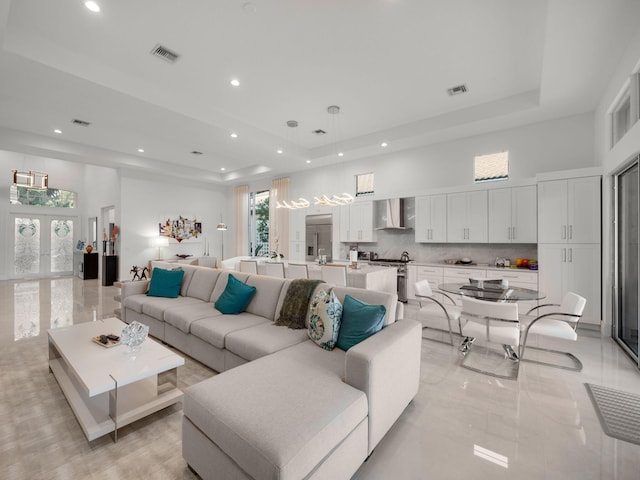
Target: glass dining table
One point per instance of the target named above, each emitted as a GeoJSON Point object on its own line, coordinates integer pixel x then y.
{"type": "Point", "coordinates": [492, 292]}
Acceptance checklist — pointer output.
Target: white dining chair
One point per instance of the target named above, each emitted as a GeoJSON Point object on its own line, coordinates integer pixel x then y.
{"type": "Point", "coordinates": [334, 275]}
{"type": "Point", "coordinates": [554, 321]}
{"type": "Point", "coordinates": [493, 323]}
{"type": "Point", "coordinates": [274, 269]}
{"type": "Point", "coordinates": [249, 266]}
{"type": "Point", "coordinates": [297, 270]}
{"type": "Point", "coordinates": [437, 310]}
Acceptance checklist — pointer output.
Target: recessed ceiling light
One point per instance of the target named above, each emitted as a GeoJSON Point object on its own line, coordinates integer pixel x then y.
{"type": "Point", "coordinates": [234, 135]}
{"type": "Point", "coordinates": [141, 150]}
{"type": "Point", "coordinates": [57, 130]}
{"type": "Point", "coordinates": [340, 154]}
{"type": "Point", "coordinates": [222, 169]}
{"type": "Point", "coordinates": [384, 144]}
{"type": "Point", "coordinates": [279, 151]}
{"type": "Point", "coordinates": [93, 6]}
{"type": "Point", "coordinates": [235, 82]}
{"type": "Point", "coordinates": [308, 161]}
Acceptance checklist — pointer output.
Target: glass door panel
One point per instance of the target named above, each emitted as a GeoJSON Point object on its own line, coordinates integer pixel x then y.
{"type": "Point", "coordinates": [628, 248]}
{"type": "Point", "coordinates": [43, 246]}
{"type": "Point", "coordinates": [26, 249]}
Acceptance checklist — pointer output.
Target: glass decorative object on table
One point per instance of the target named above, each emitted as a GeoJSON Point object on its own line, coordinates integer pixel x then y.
{"type": "Point", "coordinates": [134, 335]}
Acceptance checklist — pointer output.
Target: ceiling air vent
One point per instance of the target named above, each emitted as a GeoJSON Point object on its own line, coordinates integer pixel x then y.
{"type": "Point", "coordinates": [319, 132]}
{"type": "Point", "coordinates": [165, 53]}
{"type": "Point", "coordinates": [457, 90]}
{"type": "Point", "coordinates": [80, 123]}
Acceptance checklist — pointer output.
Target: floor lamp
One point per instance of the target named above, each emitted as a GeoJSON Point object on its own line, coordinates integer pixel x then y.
{"type": "Point", "coordinates": [223, 228]}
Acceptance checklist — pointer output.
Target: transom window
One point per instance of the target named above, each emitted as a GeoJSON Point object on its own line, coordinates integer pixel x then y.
{"type": "Point", "coordinates": [42, 197]}
{"type": "Point", "coordinates": [491, 168]}
{"type": "Point", "coordinates": [364, 184]}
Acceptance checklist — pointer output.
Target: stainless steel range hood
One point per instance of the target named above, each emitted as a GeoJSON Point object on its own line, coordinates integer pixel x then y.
{"type": "Point", "coordinates": [394, 218]}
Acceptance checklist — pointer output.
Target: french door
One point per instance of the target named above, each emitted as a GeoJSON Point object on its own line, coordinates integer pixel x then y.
{"type": "Point", "coordinates": [627, 250]}
{"type": "Point", "coordinates": [43, 245]}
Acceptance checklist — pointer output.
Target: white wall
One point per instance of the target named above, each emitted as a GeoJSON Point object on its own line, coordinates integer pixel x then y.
{"type": "Point", "coordinates": [95, 187]}
{"type": "Point", "coordinates": [612, 159]}
{"type": "Point", "coordinates": [560, 144]}
{"type": "Point", "coordinates": [146, 203]}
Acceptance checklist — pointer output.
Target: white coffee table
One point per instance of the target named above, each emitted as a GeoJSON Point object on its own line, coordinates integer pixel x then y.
{"type": "Point", "coordinates": [108, 388]}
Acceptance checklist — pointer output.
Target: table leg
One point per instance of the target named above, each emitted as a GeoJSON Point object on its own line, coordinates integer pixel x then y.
{"type": "Point", "coordinates": [113, 409]}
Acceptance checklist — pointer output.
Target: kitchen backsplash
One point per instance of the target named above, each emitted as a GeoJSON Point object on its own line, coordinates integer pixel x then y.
{"type": "Point", "coordinates": [391, 244]}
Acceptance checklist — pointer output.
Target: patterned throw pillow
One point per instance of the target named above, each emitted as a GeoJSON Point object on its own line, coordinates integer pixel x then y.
{"type": "Point", "coordinates": [324, 321]}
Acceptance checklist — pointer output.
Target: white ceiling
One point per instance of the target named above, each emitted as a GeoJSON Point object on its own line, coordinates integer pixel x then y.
{"type": "Point", "coordinates": [386, 63]}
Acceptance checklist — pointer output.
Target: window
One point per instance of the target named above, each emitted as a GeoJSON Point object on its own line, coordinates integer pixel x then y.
{"type": "Point", "coordinates": [259, 223]}
{"type": "Point", "coordinates": [364, 184]}
{"type": "Point", "coordinates": [491, 168]}
{"type": "Point", "coordinates": [43, 197]}
{"type": "Point", "coordinates": [625, 110]}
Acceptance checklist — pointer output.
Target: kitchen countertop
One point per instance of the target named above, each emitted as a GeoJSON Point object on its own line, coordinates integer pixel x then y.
{"type": "Point", "coordinates": [479, 266]}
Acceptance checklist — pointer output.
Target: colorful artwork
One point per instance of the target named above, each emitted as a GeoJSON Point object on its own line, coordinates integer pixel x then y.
{"type": "Point", "coordinates": [181, 229]}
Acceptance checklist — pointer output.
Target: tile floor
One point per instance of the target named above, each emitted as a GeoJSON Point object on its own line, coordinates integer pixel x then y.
{"type": "Point", "coordinates": [460, 425]}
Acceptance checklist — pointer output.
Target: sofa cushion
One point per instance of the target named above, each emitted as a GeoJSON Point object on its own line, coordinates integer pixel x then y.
{"type": "Point", "coordinates": [264, 339]}
{"type": "Point", "coordinates": [183, 316]}
{"type": "Point", "coordinates": [267, 294]}
{"type": "Point", "coordinates": [135, 302]}
{"type": "Point", "coordinates": [359, 321]}
{"type": "Point", "coordinates": [202, 283]}
{"type": "Point", "coordinates": [324, 324]}
{"type": "Point", "coordinates": [236, 297]}
{"type": "Point", "coordinates": [213, 330]}
{"type": "Point", "coordinates": [281, 415]}
{"type": "Point", "coordinates": [158, 305]}
{"type": "Point", "coordinates": [187, 269]}
{"type": "Point", "coordinates": [165, 283]}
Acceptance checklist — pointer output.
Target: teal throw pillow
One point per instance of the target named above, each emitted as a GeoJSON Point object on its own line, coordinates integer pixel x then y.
{"type": "Point", "coordinates": [165, 283]}
{"type": "Point", "coordinates": [359, 321]}
{"type": "Point", "coordinates": [236, 297]}
{"type": "Point", "coordinates": [324, 319]}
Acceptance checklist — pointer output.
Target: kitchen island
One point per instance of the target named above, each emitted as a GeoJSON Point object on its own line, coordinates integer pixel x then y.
{"type": "Point", "coordinates": [369, 277]}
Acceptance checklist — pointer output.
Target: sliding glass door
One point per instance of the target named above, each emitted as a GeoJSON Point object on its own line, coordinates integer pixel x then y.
{"type": "Point", "coordinates": [627, 258]}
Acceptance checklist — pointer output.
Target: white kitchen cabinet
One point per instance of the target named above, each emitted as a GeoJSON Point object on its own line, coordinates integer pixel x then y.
{"type": "Point", "coordinates": [513, 215]}
{"type": "Point", "coordinates": [297, 225]}
{"type": "Point", "coordinates": [415, 273]}
{"type": "Point", "coordinates": [296, 252]}
{"type": "Point", "coordinates": [357, 222]}
{"type": "Point", "coordinates": [569, 210]}
{"type": "Point", "coordinates": [572, 268]}
{"type": "Point", "coordinates": [431, 219]}
{"type": "Point", "coordinates": [467, 217]}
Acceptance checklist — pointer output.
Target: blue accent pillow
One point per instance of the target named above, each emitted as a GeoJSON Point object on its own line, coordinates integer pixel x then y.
{"type": "Point", "coordinates": [236, 297]}
{"type": "Point", "coordinates": [165, 283]}
{"type": "Point", "coordinates": [359, 321]}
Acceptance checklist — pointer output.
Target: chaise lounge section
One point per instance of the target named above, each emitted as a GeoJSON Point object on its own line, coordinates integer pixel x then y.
{"type": "Point", "coordinates": [284, 408]}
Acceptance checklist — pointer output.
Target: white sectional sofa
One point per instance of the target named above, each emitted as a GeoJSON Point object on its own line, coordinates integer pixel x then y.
{"type": "Point", "coordinates": [284, 408]}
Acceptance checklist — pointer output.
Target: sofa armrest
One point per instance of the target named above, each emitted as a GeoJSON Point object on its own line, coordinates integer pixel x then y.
{"type": "Point", "coordinates": [386, 367]}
